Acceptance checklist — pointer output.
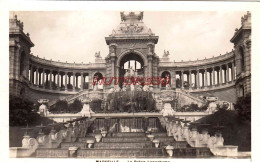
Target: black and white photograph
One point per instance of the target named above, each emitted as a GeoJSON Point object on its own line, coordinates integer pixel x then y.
{"type": "Point", "coordinates": [130, 84]}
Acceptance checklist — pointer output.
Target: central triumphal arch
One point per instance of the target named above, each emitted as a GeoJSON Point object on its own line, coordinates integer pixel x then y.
{"type": "Point", "coordinates": [131, 45]}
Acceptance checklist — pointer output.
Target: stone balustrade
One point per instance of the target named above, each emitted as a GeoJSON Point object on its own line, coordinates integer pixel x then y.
{"type": "Point", "coordinates": [181, 132]}
{"type": "Point", "coordinates": [50, 141]}
{"type": "Point", "coordinates": [194, 76]}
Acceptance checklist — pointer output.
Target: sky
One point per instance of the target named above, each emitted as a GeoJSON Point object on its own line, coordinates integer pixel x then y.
{"type": "Point", "coordinates": [75, 36]}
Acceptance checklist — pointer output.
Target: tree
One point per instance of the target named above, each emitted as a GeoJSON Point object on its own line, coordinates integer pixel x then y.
{"type": "Point", "coordinates": [21, 111]}
{"type": "Point", "coordinates": [243, 106]}
{"type": "Point", "coordinates": [76, 106]}
{"type": "Point", "coordinates": [61, 106]}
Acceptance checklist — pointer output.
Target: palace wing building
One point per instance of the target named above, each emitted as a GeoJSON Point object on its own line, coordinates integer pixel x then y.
{"type": "Point", "coordinates": [131, 46]}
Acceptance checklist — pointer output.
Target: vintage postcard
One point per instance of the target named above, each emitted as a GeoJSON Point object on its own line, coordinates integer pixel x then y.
{"type": "Point", "coordinates": [130, 83]}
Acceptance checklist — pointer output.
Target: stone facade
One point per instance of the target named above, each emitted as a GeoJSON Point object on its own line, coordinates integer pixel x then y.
{"type": "Point", "coordinates": [35, 77]}
{"type": "Point", "coordinates": [242, 45]}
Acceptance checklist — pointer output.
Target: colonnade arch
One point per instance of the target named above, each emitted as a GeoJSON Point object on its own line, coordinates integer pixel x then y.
{"type": "Point", "coordinates": [131, 60]}
{"type": "Point", "coordinates": [202, 77]}
{"type": "Point", "coordinates": [166, 75]}
{"type": "Point", "coordinates": [98, 80]}
{"type": "Point", "coordinates": [62, 80]}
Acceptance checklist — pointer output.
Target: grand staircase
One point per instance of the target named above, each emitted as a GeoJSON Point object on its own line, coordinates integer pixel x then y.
{"type": "Point", "coordinates": [125, 145]}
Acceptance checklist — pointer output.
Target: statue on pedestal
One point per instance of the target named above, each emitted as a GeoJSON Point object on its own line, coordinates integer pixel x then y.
{"type": "Point", "coordinates": [43, 109]}
{"type": "Point", "coordinates": [86, 110]}
{"type": "Point", "coordinates": [167, 109]}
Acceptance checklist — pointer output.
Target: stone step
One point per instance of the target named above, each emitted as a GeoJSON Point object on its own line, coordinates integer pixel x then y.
{"type": "Point", "coordinates": [66, 145]}
{"type": "Point", "coordinates": [121, 153]}
{"type": "Point", "coordinates": [192, 152]}
{"type": "Point", "coordinates": [124, 153]}
{"type": "Point", "coordinates": [123, 145]}
{"type": "Point", "coordinates": [52, 153]}
{"type": "Point", "coordinates": [128, 134]}
{"type": "Point", "coordinates": [84, 139]}
{"type": "Point", "coordinates": [165, 139]}
{"type": "Point", "coordinates": [159, 134]}
{"type": "Point", "coordinates": [124, 139]}
{"type": "Point", "coordinates": [175, 144]}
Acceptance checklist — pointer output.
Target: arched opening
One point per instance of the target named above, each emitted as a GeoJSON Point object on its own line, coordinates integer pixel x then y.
{"type": "Point", "coordinates": [22, 63]}
{"type": "Point", "coordinates": [133, 61]}
{"type": "Point", "coordinates": [98, 81]}
{"type": "Point", "coordinates": [242, 60]}
{"type": "Point", "coordinates": [166, 77]}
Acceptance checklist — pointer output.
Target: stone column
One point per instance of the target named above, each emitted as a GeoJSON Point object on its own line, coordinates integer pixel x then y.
{"type": "Point", "coordinates": [213, 79]}
{"type": "Point", "coordinates": [31, 74]}
{"type": "Point", "coordinates": [66, 77]}
{"type": "Point", "coordinates": [203, 78]}
{"type": "Point", "coordinates": [173, 79]}
{"type": "Point", "coordinates": [227, 74]}
{"type": "Point", "coordinates": [182, 78]}
{"type": "Point", "coordinates": [197, 79]}
{"type": "Point", "coordinates": [210, 77]}
{"type": "Point", "coordinates": [82, 81]}
{"type": "Point", "coordinates": [221, 75]}
{"type": "Point", "coordinates": [150, 67]}
{"type": "Point", "coordinates": [37, 73]}
{"type": "Point", "coordinates": [73, 77]}
{"type": "Point", "coordinates": [90, 86]}
{"type": "Point", "coordinates": [218, 74]}
{"type": "Point", "coordinates": [206, 78]}
{"type": "Point", "coordinates": [190, 79]}
{"type": "Point", "coordinates": [113, 70]}
{"type": "Point", "coordinates": [233, 71]}
{"type": "Point", "coordinates": [50, 79]}
{"type": "Point", "coordinates": [43, 82]}
{"type": "Point", "coordinates": [58, 80]}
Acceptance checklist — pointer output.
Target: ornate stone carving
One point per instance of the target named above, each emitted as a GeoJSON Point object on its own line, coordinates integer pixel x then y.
{"type": "Point", "coordinates": [112, 49]}
{"type": "Point", "coordinates": [131, 28]}
{"type": "Point", "coordinates": [132, 15]}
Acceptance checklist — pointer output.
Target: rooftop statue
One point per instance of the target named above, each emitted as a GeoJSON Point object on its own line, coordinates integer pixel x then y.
{"type": "Point", "coordinates": [132, 16]}
{"type": "Point", "coordinates": [97, 54]}
{"type": "Point", "coordinates": [166, 53]}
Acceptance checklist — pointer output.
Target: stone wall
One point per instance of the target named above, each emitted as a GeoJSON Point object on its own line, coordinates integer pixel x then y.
{"type": "Point", "coordinates": [34, 95]}
{"type": "Point", "coordinates": [225, 94]}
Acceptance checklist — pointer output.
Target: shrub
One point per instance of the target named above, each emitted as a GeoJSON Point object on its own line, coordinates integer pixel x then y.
{"type": "Point", "coordinates": [76, 106]}
{"type": "Point", "coordinates": [243, 106]}
{"type": "Point", "coordinates": [21, 111]}
{"type": "Point", "coordinates": [60, 106]}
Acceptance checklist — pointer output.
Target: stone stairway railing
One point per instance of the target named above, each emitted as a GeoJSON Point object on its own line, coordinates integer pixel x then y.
{"type": "Point", "coordinates": [74, 142]}
{"type": "Point", "coordinates": [182, 98]}
{"type": "Point", "coordinates": [189, 95]}
{"type": "Point", "coordinates": [69, 98]}
{"type": "Point", "coordinates": [181, 132]}
{"type": "Point", "coordinates": [51, 141]}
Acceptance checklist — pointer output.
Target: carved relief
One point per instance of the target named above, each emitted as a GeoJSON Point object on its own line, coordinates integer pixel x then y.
{"type": "Point", "coordinates": [131, 28]}
{"type": "Point", "coordinates": [112, 49]}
